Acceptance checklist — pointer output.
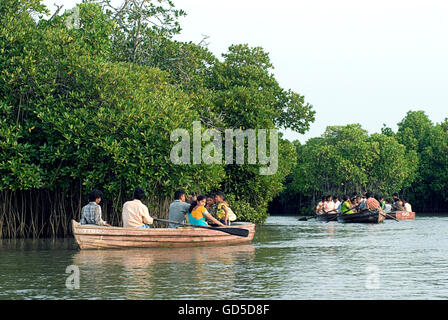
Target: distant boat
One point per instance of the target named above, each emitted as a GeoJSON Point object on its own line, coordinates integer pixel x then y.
{"type": "Point", "coordinates": [367, 216]}
{"type": "Point", "coordinates": [100, 237]}
{"type": "Point", "coordinates": [402, 215]}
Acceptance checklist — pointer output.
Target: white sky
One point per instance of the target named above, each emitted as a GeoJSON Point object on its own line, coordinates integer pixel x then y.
{"type": "Point", "coordinates": [355, 61]}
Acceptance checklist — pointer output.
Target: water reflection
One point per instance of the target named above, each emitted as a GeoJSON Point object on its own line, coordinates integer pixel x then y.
{"type": "Point", "coordinates": [288, 259]}
{"type": "Point", "coordinates": [143, 272]}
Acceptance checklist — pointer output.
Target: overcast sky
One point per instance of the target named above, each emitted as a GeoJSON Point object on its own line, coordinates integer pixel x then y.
{"type": "Point", "coordinates": [355, 61]}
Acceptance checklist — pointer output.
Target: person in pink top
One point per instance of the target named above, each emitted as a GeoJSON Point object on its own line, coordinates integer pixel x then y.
{"type": "Point", "coordinates": [329, 205]}
{"type": "Point", "coordinates": [135, 213]}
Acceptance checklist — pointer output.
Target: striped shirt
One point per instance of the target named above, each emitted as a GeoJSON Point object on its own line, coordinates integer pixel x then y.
{"type": "Point", "coordinates": [372, 204]}
{"type": "Point", "coordinates": [91, 214]}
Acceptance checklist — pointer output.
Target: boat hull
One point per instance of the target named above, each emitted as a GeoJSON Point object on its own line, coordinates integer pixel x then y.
{"type": "Point", "coordinates": [402, 215]}
{"type": "Point", "coordinates": [326, 217]}
{"type": "Point", "coordinates": [362, 217]}
{"type": "Point", "coordinates": [99, 237]}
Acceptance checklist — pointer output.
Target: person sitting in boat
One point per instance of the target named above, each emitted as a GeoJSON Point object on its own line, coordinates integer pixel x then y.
{"type": "Point", "coordinates": [398, 204]}
{"type": "Point", "coordinates": [135, 213]}
{"type": "Point", "coordinates": [337, 204]}
{"type": "Point", "coordinates": [346, 206]}
{"type": "Point", "coordinates": [382, 202]}
{"type": "Point", "coordinates": [223, 211]}
{"type": "Point", "coordinates": [359, 204]}
{"type": "Point", "coordinates": [178, 208]}
{"type": "Point", "coordinates": [388, 206]}
{"type": "Point", "coordinates": [329, 205]}
{"type": "Point", "coordinates": [210, 205]}
{"type": "Point", "coordinates": [197, 213]}
{"type": "Point", "coordinates": [320, 206]}
{"type": "Point", "coordinates": [407, 206]}
{"type": "Point", "coordinates": [371, 202]}
{"type": "Point", "coordinates": [91, 212]}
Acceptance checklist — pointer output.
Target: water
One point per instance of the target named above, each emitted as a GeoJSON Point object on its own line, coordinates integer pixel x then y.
{"type": "Point", "coordinates": [288, 259]}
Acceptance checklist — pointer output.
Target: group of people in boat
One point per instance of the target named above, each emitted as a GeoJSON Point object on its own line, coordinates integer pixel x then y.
{"type": "Point", "coordinates": [192, 210]}
{"type": "Point", "coordinates": [357, 203]}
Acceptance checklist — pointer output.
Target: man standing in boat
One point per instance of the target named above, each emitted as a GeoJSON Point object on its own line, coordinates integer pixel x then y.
{"type": "Point", "coordinates": [178, 208]}
{"type": "Point", "coordinates": [135, 213]}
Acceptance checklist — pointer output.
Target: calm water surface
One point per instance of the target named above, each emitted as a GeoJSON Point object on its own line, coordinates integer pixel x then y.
{"type": "Point", "coordinates": [288, 259]}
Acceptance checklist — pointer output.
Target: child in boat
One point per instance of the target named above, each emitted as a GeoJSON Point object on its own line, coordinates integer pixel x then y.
{"type": "Point", "coordinates": [198, 214]}
{"type": "Point", "coordinates": [320, 206]}
{"type": "Point", "coordinates": [210, 205]}
{"type": "Point", "coordinates": [223, 211]}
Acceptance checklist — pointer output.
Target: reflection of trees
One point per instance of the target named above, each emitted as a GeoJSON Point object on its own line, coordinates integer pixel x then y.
{"type": "Point", "coordinates": [160, 272]}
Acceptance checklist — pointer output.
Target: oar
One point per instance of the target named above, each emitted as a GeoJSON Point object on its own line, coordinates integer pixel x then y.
{"type": "Point", "coordinates": [388, 215]}
{"type": "Point", "coordinates": [233, 231]}
{"type": "Point", "coordinates": [305, 218]}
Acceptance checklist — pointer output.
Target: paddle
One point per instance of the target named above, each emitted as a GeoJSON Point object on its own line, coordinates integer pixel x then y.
{"type": "Point", "coordinates": [306, 218]}
{"type": "Point", "coordinates": [233, 231]}
{"type": "Point", "coordinates": [388, 215]}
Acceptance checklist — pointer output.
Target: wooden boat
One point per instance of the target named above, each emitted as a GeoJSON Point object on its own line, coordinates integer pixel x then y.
{"type": "Point", "coordinates": [367, 216]}
{"type": "Point", "coordinates": [402, 215]}
{"type": "Point", "coordinates": [99, 237]}
{"type": "Point", "coordinates": [326, 217]}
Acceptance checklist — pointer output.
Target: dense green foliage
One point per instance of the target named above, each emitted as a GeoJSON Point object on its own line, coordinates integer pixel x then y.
{"type": "Point", "coordinates": [430, 141]}
{"type": "Point", "coordinates": [412, 162]}
{"type": "Point", "coordinates": [347, 159]}
{"type": "Point", "coordinates": [92, 103]}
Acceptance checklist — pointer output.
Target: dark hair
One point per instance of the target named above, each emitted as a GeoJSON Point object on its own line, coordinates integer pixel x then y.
{"type": "Point", "coordinates": [221, 194]}
{"type": "Point", "coordinates": [335, 197]}
{"type": "Point", "coordinates": [139, 194]}
{"type": "Point", "coordinates": [395, 195]}
{"type": "Point", "coordinates": [368, 195]}
{"type": "Point", "coordinates": [95, 194]}
{"type": "Point", "coordinates": [178, 194]}
{"type": "Point", "coordinates": [195, 203]}
{"type": "Point", "coordinates": [211, 195]}
{"type": "Point", "coordinates": [345, 197]}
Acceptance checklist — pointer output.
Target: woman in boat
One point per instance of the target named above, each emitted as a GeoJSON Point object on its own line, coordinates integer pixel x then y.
{"type": "Point", "coordinates": [329, 205]}
{"type": "Point", "coordinates": [198, 214]}
{"type": "Point", "coordinates": [347, 207]}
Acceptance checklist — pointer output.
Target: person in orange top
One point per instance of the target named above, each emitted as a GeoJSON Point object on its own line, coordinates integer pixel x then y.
{"type": "Point", "coordinates": [135, 213]}
{"type": "Point", "coordinates": [371, 202]}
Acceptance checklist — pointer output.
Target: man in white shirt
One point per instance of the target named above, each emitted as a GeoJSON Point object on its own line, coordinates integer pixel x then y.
{"type": "Point", "coordinates": [135, 213]}
{"type": "Point", "coordinates": [337, 204]}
